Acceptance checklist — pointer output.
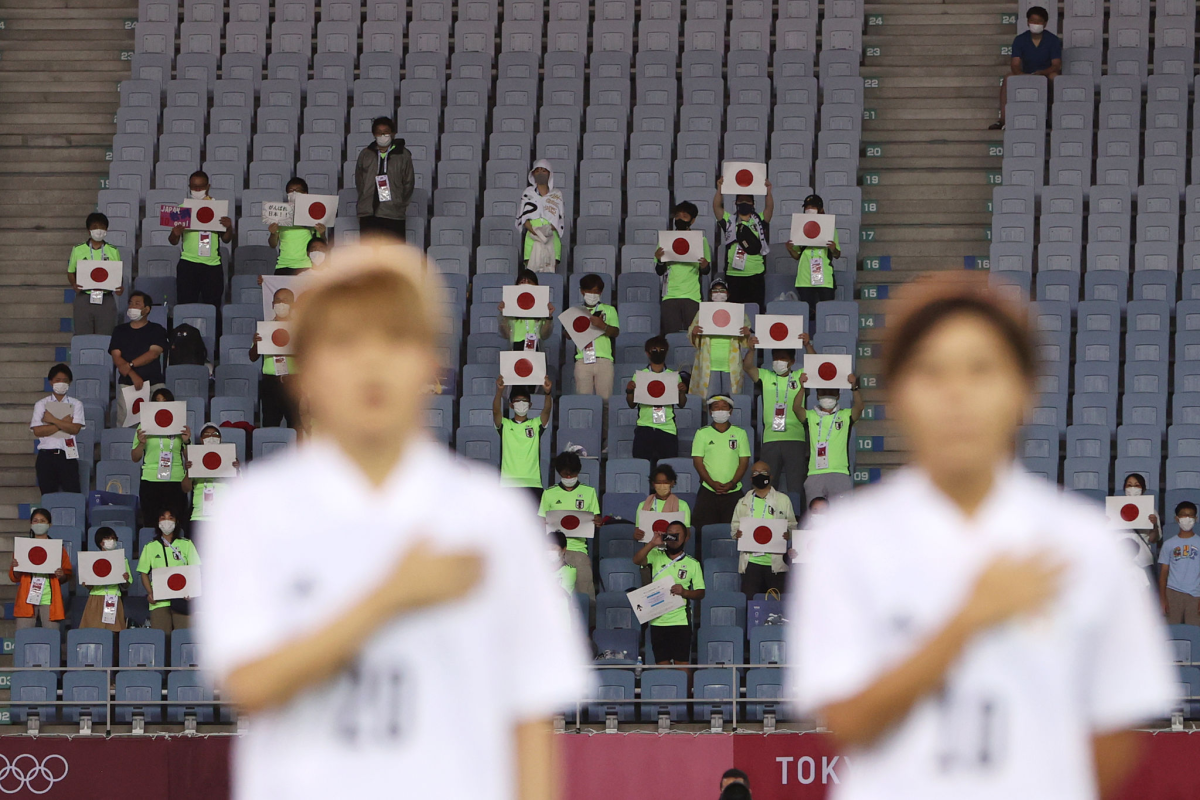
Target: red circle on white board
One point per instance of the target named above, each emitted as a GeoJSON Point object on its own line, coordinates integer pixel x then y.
{"type": "Point", "coordinates": [779, 331]}
{"type": "Point", "coordinates": [176, 582]}
{"type": "Point", "coordinates": [581, 324]}
{"type": "Point", "coordinates": [827, 371]}
{"type": "Point", "coordinates": [1129, 512]}
{"type": "Point", "coordinates": [99, 274]}
{"type": "Point", "coordinates": [205, 214]}
{"type": "Point", "coordinates": [656, 388]}
{"type": "Point", "coordinates": [280, 337]}
{"type": "Point", "coordinates": [317, 210]}
{"type": "Point", "coordinates": [721, 318]}
{"type": "Point", "coordinates": [763, 534]}
{"type": "Point", "coordinates": [744, 177]}
{"type": "Point", "coordinates": [211, 460]}
{"type": "Point", "coordinates": [812, 229]}
{"type": "Point", "coordinates": [38, 555]}
{"type": "Point", "coordinates": [680, 245]}
{"type": "Point", "coordinates": [102, 567]}
{"type": "Point", "coordinates": [523, 367]}
{"type": "Point", "coordinates": [661, 525]}
{"type": "Point", "coordinates": [526, 300]}
{"type": "Point", "coordinates": [163, 418]}
{"type": "Point", "coordinates": [570, 522]}
{"type": "Point", "coordinates": [137, 405]}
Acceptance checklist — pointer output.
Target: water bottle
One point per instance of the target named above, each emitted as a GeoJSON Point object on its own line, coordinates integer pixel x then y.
{"type": "Point", "coordinates": [637, 671]}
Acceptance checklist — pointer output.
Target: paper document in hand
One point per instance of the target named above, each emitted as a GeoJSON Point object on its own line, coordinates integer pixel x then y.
{"type": "Point", "coordinates": [655, 599]}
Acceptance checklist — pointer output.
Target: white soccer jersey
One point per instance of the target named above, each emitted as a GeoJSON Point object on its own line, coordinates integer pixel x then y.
{"type": "Point", "coordinates": [891, 566]}
{"type": "Point", "coordinates": [429, 707]}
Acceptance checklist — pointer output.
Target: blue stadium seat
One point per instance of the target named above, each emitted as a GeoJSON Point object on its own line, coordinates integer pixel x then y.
{"type": "Point", "coordinates": [66, 508]}
{"type": "Point", "coordinates": [767, 684]}
{"type": "Point", "coordinates": [619, 575]}
{"type": "Point", "coordinates": [627, 476]}
{"type": "Point", "coordinates": [27, 689]}
{"type": "Point", "coordinates": [271, 441]}
{"type": "Point", "coordinates": [138, 693]}
{"type": "Point", "coordinates": [613, 611]}
{"type": "Point", "coordinates": [188, 687]}
{"type": "Point", "coordinates": [89, 647]}
{"type": "Point", "coordinates": [613, 685]}
{"type": "Point", "coordinates": [714, 685]}
{"type": "Point", "coordinates": [768, 645]}
{"type": "Point", "coordinates": [659, 688]}
{"type": "Point", "coordinates": [37, 647]}
{"type": "Point", "coordinates": [90, 690]}
{"type": "Point", "coordinates": [721, 644]}
{"type": "Point", "coordinates": [183, 648]}
{"type": "Point", "coordinates": [723, 609]}
{"type": "Point", "coordinates": [1185, 643]}
{"type": "Point", "coordinates": [622, 643]}
{"type": "Point", "coordinates": [141, 647]}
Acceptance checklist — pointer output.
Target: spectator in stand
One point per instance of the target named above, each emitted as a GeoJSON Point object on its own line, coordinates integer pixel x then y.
{"type": "Point", "coordinates": [162, 466]}
{"type": "Point", "coordinates": [721, 454]}
{"type": "Point", "coordinates": [656, 436]}
{"type": "Point", "coordinates": [525, 333]}
{"type": "Point", "coordinates": [98, 596]}
{"type": "Point", "coordinates": [1037, 51]}
{"type": "Point", "coordinates": [39, 596]}
{"type": "Point", "coordinates": [1135, 486]}
{"type": "Point", "coordinates": [829, 442]}
{"type": "Point", "coordinates": [718, 365]}
{"type": "Point", "coordinates": [567, 575]}
{"type": "Point", "coordinates": [594, 363]}
{"type": "Point", "coordinates": [671, 634]}
{"type": "Point", "coordinates": [681, 279]}
{"type": "Point", "coordinates": [95, 310]}
{"type": "Point", "coordinates": [521, 437]}
{"type": "Point", "coordinates": [784, 440]}
{"type": "Point", "coordinates": [818, 507]}
{"type": "Point", "coordinates": [814, 265]}
{"type": "Point", "coordinates": [571, 495]}
{"type": "Point", "coordinates": [293, 240]}
{"type": "Point", "coordinates": [540, 219]}
{"type": "Point", "coordinates": [275, 388]}
{"type": "Point", "coordinates": [746, 239]}
{"type": "Point", "coordinates": [1179, 578]}
{"type": "Point", "coordinates": [199, 277]}
{"type": "Point", "coordinates": [204, 491]}
{"type": "Point", "coordinates": [385, 180]}
{"type": "Point", "coordinates": [662, 500]}
{"type": "Point", "coordinates": [762, 572]}
{"type": "Point", "coordinates": [57, 463]}
{"type": "Point", "coordinates": [318, 251]}
{"type": "Point", "coordinates": [169, 549]}
{"type": "Point", "coordinates": [734, 776]}
{"type": "Point", "coordinates": [136, 348]}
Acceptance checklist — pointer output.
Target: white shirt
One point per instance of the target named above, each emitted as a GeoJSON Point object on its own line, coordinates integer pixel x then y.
{"type": "Point", "coordinates": [891, 566]}
{"type": "Point", "coordinates": [434, 697]}
{"type": "Point", "coordinates": [39, 413]}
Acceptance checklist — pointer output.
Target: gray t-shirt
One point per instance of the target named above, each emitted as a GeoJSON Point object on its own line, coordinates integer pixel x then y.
{"type": "Point", "coordinates": [1182, 555]}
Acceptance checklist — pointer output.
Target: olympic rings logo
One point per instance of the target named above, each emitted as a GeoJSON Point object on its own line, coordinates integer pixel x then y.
{"type": "Point", "coordinates": [26, 772]}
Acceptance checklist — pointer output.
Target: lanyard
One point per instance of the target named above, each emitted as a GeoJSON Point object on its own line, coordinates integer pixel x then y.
{"type": "Point", "coordinates": [754, 501]}
{"type": "Point", "coordinates": [787, 388]}
{"type": "Point", "coordinates": [103, 249]}
{"type": "Point", "coordinates": [671, 562]}
{"type": "Point", "coordinates": [824, 437]}
{"type": "Point", "coordinates": [174, 551]}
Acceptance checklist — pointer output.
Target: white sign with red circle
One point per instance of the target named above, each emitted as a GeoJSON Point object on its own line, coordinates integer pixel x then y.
{"type": "Point", "coordinates": [164, 419]}
{"type": "Point", "coordinates": [743, 177]}
{"type": "Point", "coordinates": [170, 583]}
{"type": "Point", "coordinates": [522, 367]}
{"type": "Point", "coordinates": [315, 208]}
{"type": "Point", "coordinates": [577, 322]}
{"type": "Point", "coordinates": [578, 524]}
{"type": "Point", "coordinates": [762, 535]}
{"type": "Point", "coordinates": [207, 214]}
{"type": "Point", "coordinates": [652, 522]}
{"type": "Point", "coordinates": [90, 275]}
{"type": "Point", "coordinates": [812, 230]}
{"type": "Point", "coordinates": [39, 556]}
{"type": "Point", "coordinates": [526, 302]}
{"type": "Point", "coordinates": [276, 338]}
{"type": "Point", "coordinates": [722, 319]}
{"type": "Point", "coordinates": [212, 460]}
{"type": "Point", "coordinates": [828, 372]}
{"type": "Point", "coordinates": [134, 398]}
{"type": "Point", "coordinates": [1130, 512]}
{"type": "Point", "coordinates": [685, 246]}
{"type": "Point", "coordinates": [101, 567]}
{"type": "Point", "coordinates": [779, 330]}
{"type": "Point", "coordinates": [803, 540]}
{"type": "Point", "coordinates": [656, 388]}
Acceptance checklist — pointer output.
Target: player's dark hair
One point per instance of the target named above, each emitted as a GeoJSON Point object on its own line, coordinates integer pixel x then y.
{"type": "Point", "coordinates": [1137, 478]}
{"type": "Point", "coordinates": [567, 460]}
{"type": "Point", "coordinates": [1186, 505]}
{"type": "Point", "coordinates": [58, 369]}
{"type": "Point", "coordinates": [736, 791]}
{"type": "Point", "coordinates": [94, 218]}
{"type": "Point", "coordinates": [686, 207]}
{"type": "Point", "coordinates": [667, 471]}
{"type": "Point", "coordinates": [1037, 11]}
{"type": "Point", "coordinates": [103, 533]}
{"type": "Point", "coordinates": [735, 774]}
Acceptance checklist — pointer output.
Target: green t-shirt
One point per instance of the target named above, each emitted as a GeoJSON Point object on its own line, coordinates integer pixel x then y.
{"type": "Point", "coordinates": [753, 265]}
{"type": "Point", "coordinates": [832, 430]}
{"type": "Point", "coordinates": [603, 344]}
{"type": "Point", "coordinates": [683, 278]}
{"type": "Point", "coordinates": [718, 353]}
{"type": "Point", "coordinates": [658, 509]}
{"type": "Point", "coordinates": [191, 247]}
{"type": "Point", "coordinates": [567, 576]}
{"type": "Point", "coordinates": [781, 389]}
{"type": "Point", "coordinates": [686, 572]}
{"type": "Point", "coordinates": [520, 452]}
{"type": "Point", "coordinates": [112, 588]}
{"type": "Point", "coordinates": [293, 247]}
{"type": "Point", "coordinates": [85, 252]}
{"type": "Point", "coordinates": [721, 452]}
{"type": "Point", "coordinates": [155, 447]}
{"type": "Point", "coordinates": [160, 554]}
{"type": "Point", "coordinates": [520, 327]}
{"type": "Point", "coordinates": [537, 223]}
{"type": "Point", "coordinates": [268, 366]}
{"type": "Point", "coordinates": [581, 498]}
{"type": "Point", "coordinates": [804, 266]}
{"type": "Point", "coordinates": [646, 413]}
{"type": "Point", "coordinates": [217, 487]}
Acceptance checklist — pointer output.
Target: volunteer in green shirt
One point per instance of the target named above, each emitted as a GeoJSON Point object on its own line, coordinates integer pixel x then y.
{"type": "Point", "coordinates": [721, 454]}
{"type": "Point", "coordinates": [745, 236]}
{"type": "Point", "coordinates": [829, 442]}
{"type": "Point", "coordinates": [662, 499]}
{"type": "Point", "coordinates": [95, 310]}
{"type": "Point", "coordinates": [525, 333]}
{"type": "Point", "coordinates": [571, 495]}
{"type": "Point", "coordinates": [784, 441]}
{"type": "Point", "coordinates": [162, 466]}
{"type": "Point", "coordinates": [671, 634]}
{"type": "Point", "coordinates": [814, 265]}
{"type": "Point", "coordinates": [521, 437]}
{"type": "Point", "coordinates": [204, 491]}
{"type": "Point", "coordinates": [275, 390]}
{"type": "Point", "coordinates": [293, 240]}
{"type": "Point", "coordinates": [681, 287]}
{"type": "Point", "coordinates": [198, 275]}
{"type": "Point", "coordinates": [107, 596]}
{"type": "Point", "coordinates": [762, 572]}
{"type": "Point", "coordinates": [169, 549]}
{"type": "Point", "coordinates": [594, 362]}
{"type": "Point", "coordinates": [656, 436]}
{"type": "Point", "coordinates": [566, 574]}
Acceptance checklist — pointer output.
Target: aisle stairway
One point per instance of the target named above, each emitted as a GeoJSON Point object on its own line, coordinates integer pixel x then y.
{"type": "Point", "coordinates": [928, 166]}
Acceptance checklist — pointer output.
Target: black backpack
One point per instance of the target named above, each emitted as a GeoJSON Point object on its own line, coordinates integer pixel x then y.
{"type": "Point", "coordinates": [187, 346]}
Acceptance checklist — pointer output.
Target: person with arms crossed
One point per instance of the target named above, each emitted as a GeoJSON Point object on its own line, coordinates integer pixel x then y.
{"type": "Point", "coordinates": [453, 612]}
{"type": "Point", "coordinates": [671, 634]}
{"type": "Point", "coordinates": [995, 643]}
{"type": "Point", "coordinates": [57, 464]}
{"type": "Point", "coordinates": [1179, 578]}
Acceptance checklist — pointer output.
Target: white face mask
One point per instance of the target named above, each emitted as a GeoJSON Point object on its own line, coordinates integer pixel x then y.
{"type": "Point", "coordinates": [781, 367]}
{"type": "Point", "coordinates": [211, 440]}
{"type": "Point", "coordinates": [316, 257]}
{"type": "Point", "coordinates": [97, 234]}
{"type": "Point", "coordinates": [827, 403]}
{"type": "Point", "coordinates": [60, 388]}
{"type": "Point", "coordinates": [109, 544]}
{"type": "Point", "coordinates": [569, 482]}
{"type": "Point", "coordinates": [719, 297]}
{"type": "Point", "coordinates": [553, 557]}
{"type": "Point", "coordinates": [815, 517]}
{"type": "Point", "coordinates": [1187, 523]}
{"type": "Point", "coordinates": [521, 408]}
{"type": "Point", "coordinates": [282, 309]}
{"type": "Point", "coordinates": [167, 526]}
{"type": "Point", "coordinates": [1035, 29]}
{"type": "Point", "coordinates": [200, 195]}
{"type": "Point", "coordinates": [384, 140]}
{"type": "Point", "coordinates": [292, 196]}
{"type": "Point", "coordinates": [134, 314]}
{"type": "Point", "coordinates": [40, 528]}
{"type": "Point", "coordinates": [1133, 491]}
{"type": "Point", "coordinates": [721, 417]}
{"type": "Point", "coordinates": [811, 211]}
{"type": "Point", "coordinates": [591, 299]}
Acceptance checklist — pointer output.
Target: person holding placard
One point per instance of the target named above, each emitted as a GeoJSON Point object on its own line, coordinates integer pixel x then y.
{"type": "Point", "coordinates": [95, 310]}
{"type": "Point", "coordinates": [571, 495]}
{"type": "Point", "coordinates": [163, 468]}
{"type": "Point", "coordinates": [745, 237]}
{"type": "Point", "coordinates": [829, 441]}
{"type": "Point", "coordinates": [525, 333]}
{"type": "Point", "coordinates": [385, 180]}
{"type": "Point", "coordinates": [204, 491]}
{"type": "Point", "coordinates": [717, 368]}
{"type": "Point", "coordinates": [39, 596]}
{"type": "Point", "coordinates": [1179, 576]}
{"type": "Point", "coordinates": [521, 437]}
{"type": "Point", "coordinates": [662, 499]}
{"type": "Point", "coordinates": [671, 634]}
{"type": "Point", "coordinates": [594, 362]}
{"type": "Point", "coordinates": [198, 275]}
{"type": "Point", "coordinates": [169, 549]}
{"type": "Point", "coordinates": [57, 419]}
{"type": "Point", "coordinates": [762, 572]}
{"type": "Point", "coordinates": [136, 348]}
{"type": "Point", "coordinates": [567, 575]}
{"type": "Point", "coordinates": [540, 219]}
{"type": "Point", "coordinates": [108, 596]}
{"type": "Point", "coordinates": [721, 454]}
{"type": "Point", "coordinates": [293, 240]}
{"type": "Point", "coordinates": [1135, 486]}
{"type": "Point", "coordinates": [681, 279]}
{"type": "Point", "coordinates": [279, 403]}
{"type": "Point", "coordinates": [784, 440]}
{"type": "Point", "coordinates": [814, 265]}
{"type": "Point", "coordinates": [656, 435]}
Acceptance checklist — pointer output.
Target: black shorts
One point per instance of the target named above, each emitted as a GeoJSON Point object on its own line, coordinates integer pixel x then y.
{"type": "Point", "coordinates": [671, 643]}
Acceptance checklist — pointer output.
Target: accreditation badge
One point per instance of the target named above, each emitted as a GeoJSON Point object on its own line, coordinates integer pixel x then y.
{"type": "Point", "coordinates": [204, 247]}
{"type": "Point", "coordinates": [383, 188]}
{"type": "Point", "coordinates": [779, 421]}
{"type": "Point", "coordinates": [110, 609]}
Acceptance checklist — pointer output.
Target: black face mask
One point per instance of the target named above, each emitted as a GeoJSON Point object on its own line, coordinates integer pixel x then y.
{"type": "Point", "coordinates": [658, 356]}
{"type": "Point", "coordinates": [682, 225]}
{"type": "Point", "coordinates": [745, 209]}
{"type": "Point", "coordinates": [761, 481]}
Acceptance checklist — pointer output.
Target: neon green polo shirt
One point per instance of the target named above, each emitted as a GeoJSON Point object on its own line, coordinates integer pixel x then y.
{"type": "Point", "coordinates": [833, 430]}
{"type": "Point", "coordinates": [520, 327]}
{"type": "Point", "coordinates": [190, 242]}
{"type": "Point", "coordinates": [804, 266]}
{"type": "Point", "coordinates": [646, 413]}
{"type": "Point", "coordinates": [685, 571]}
{"type": "Point", "coordinates": [112, 588]}
{"type": "Point", "coordinates": [155, 445]}
{"type": "Point", "coordinates": [603, 344]}
{"type": "Point", "coordinates": [218, 486]}
{"type": "Point", "coordinates": [160, 554]}
{"type": "Point", "coordinates": [85, 252]}
{"type": "Point", "coordinates": [581, 498]}
{"type": "Point", "coordinates": [537, 223]}
{"type": "Point", "coordinates": [658, 509]}
{"type": "Point", "coordinates": [683, 277]}
{"type": "Point", "coordinates": [721, 452]}
{"type": "Point", "coordinates": [755, 265]}
{"type": "Point", "coordinates": [520, 452]}
{"type": "Point", "coordinates": [293, 247]}
{"type": "Point", "coordinates": [781, 389]}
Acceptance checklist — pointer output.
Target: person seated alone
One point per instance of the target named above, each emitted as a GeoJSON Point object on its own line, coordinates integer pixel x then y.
{"type": "Point", "coordinates": [1037, 51]}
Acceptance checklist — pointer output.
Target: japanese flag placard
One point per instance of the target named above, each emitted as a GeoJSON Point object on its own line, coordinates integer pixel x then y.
{"type": "Point", "coordinates": [134, 398]}
{"type": "Point", "coordinates": [39, 556]}
{"type": "Point", "coordinates": [656, 389]}
{"type": "Point", "coordinates": [803, 540]}
{"type": "Point", "coordinates": [526, 302]}
{"type": "Point", "coordinates": [164, 419]}
{"type": "Point", "coordinates": [212, 460]}
{"type": "Point", "coordinates": [522, 367]}
{"type": "Point", "coordinates": [91, 275]}
{"type": "Point", "coordinates": [743, 177]}
{"type": "Point", "coordinates": [577, 322]}
{"type": "Point", "coordinates": [721, 319]}
{"type": "Point", "coordinates": [207, 214]}
{"type": "Point", "coordinates": [1130, 512]}
{"type": "Point", "coordinates": [812, 230]}
{"type": "Point", "coordinates": [827, 372]}
{"type": "Point", "coordinates": [170, 583]}
{"type": "Point", "coordinates": [315, 208]}
{"type": "Point", "coordinates": [652, 522]}
{"type": "Point", "coordinates": [779, 331]}
{"type": "Point", "coordinates": [762, 535]}
{"type": "Point", "coordinates": [655, 599]}
{"type": "Point", "coordinates": [685, 246]}
{"type": "Point", "coordinates": [101, 567]}
{"type": "Point", "coordinates": [579, 524]}
{"type": "Point", "coordinates": [276, 338]}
